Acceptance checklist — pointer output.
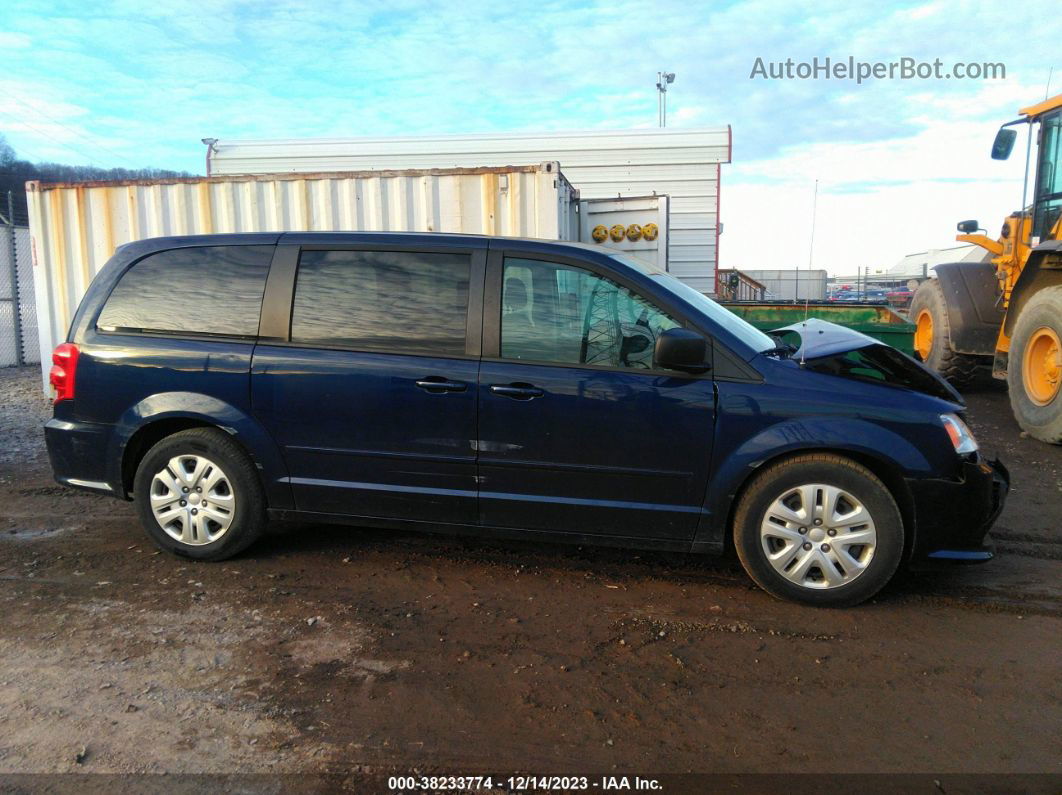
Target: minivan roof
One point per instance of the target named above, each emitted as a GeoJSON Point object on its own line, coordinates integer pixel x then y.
{"type": "Point", "coordinates": [427, 238]}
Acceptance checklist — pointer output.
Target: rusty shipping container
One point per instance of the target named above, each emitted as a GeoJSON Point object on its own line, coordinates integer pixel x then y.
{"type": "Point", "coordinates": [75, 228]}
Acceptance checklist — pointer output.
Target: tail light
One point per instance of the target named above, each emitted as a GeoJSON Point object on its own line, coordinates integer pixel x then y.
{"type": "Point", "coordinates": [64, 368]}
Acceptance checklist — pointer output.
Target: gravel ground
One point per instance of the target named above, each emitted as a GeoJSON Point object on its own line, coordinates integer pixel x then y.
{"type": "Point", "coordinates": [23, 410]}
{"type": "Point", "coordinates": [332, 650]}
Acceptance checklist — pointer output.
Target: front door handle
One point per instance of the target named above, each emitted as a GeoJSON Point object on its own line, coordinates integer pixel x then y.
{"type": "Point", "coordinates": [517, 391]}
{"type": "Point", "coordinates": [438, 384]}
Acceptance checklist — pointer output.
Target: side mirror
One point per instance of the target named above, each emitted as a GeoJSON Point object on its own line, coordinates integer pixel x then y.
{"type": "Point", "coordinates": [681, 349]}
{"type": "Point", "coordinates": [1004, 143]}
{"type": "Point", "coordinates": [967, 227]}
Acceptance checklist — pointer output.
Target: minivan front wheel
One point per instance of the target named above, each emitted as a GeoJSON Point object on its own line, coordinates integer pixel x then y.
{"type": "Point", "coordinates": [198, 495]}
{"type": "Point", "coordinates": [819, 529]}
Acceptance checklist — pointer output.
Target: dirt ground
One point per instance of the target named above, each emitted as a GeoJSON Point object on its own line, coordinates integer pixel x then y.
{"type": "Point", "coordinates": [330, 650]}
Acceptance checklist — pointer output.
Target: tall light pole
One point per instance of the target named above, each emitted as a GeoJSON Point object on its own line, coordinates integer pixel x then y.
{"type": "Point", "coordinates": [663, 80]}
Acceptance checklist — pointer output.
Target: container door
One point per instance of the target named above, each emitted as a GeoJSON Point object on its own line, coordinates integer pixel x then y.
{"type": "Point", "coordinates": [578, 430]}
{"type": "Point", "coordinates": [373, 397]}
{"type": "Point", "coordinates": [638, 225]}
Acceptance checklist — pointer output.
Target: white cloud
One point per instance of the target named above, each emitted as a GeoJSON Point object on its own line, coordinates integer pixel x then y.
{"type": "Point", "coordinates": [878, 200]}
{"type": "Point", "coordinates": [14, 41]}
{"type": "Point", "coordinates": [921, 12]}
{"type": "Point", "coordinates": [768, 227]}
{"type": "Point", "coordinates": [899, 161]}
{"type": "Point", "coordinates": [687, 116]}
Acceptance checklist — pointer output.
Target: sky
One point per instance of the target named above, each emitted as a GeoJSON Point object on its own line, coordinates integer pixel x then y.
{"type": "Point", "coordinates": [898, 162]}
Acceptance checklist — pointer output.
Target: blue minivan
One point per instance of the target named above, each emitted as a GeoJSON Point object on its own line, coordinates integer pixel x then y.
{"type": "Point", "coordinates": [505, 387]}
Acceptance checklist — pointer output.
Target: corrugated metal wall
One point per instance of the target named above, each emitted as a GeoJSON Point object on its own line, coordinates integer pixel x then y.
{"type": "Point", "coordinates": [792, 284]}
{"type": "Point", "coordinates": [640, 210]}
{"type": "Point", "coordinates": [75, 228]}
{"type": "Point", "coordinates": [682, 164]}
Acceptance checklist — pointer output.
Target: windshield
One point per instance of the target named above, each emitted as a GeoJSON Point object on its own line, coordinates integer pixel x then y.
{"type": "Point", "coordinates": [739, 327]}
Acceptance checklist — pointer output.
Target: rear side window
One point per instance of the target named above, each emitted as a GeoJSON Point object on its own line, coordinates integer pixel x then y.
{"type": "Point", "coordinates": [214, 290]}
{"type": "Point", "coordinates": [391, 301]}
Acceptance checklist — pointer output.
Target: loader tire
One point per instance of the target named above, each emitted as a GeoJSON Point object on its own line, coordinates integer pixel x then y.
{"type": "Point", "coordinates": [1034, 368]}
{"type": "Point", "coordinates": [929, 313]}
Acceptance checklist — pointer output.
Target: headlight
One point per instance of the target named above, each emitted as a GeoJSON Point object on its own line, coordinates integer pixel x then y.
{"type": "Point", "coordinates": [961, 437]}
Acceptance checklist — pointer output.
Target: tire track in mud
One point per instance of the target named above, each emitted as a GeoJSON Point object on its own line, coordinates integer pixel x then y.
{"type": "Point", "coordinates": [984, 600]}
{"type": "Point", "coordinates": [1031, 545]}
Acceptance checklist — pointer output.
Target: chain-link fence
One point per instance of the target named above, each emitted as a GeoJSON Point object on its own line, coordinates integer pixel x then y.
{"type": "Point", "coordinates": [18, 310]}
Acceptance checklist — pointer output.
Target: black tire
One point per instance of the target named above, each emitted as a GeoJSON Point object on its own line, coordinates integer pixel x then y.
{"type": "Point", "coordinates": [248, 514]}
{"type": "Point", "coordinates": [1043, 422]}
{"type": "Point", "coordinates": [832, 470]}
{"type": "Point", "coordinates": [959, 369]}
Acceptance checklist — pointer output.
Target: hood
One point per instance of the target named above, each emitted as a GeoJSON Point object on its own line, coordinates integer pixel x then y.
{"type": "Point", "coordinates": [829, 348]}
{"type": "Point", "coordinates": [822, 338]}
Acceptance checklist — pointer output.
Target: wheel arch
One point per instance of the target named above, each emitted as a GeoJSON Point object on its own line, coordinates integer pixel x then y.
{"type": "Point", "coordinates": [886, 471]}
{"type": "Point", "coordinates": [159, 416]}
{"type": "Point", "coordinates": [147, 436]}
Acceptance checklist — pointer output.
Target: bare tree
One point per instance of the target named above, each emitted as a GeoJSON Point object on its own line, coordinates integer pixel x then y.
{"type": "Point", "coordinates": [14, 173]}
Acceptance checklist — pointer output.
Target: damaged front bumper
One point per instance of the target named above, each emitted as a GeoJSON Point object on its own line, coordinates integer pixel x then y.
{"type": "Point", "coordinates": [952, 517]}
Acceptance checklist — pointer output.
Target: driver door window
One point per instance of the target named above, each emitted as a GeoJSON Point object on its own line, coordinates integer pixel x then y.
{"type": "Point", "coordinates": [559, 314]}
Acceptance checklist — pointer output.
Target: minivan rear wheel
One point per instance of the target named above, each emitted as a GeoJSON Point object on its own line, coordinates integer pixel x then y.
{"type": "Point", "coordinates": [819, 529]}
{"type": "Point", "coordinates": [199, 496]}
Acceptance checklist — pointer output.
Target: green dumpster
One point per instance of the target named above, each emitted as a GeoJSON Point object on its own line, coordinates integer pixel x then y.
{"type": "Point", "coordinates": [875, 320]}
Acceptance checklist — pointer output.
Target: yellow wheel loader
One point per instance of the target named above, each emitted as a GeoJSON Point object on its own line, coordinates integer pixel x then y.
{"type": "Point", "coordinates": [1007, 313]}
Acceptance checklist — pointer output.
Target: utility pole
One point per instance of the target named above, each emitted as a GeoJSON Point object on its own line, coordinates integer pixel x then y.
{"type": "Point", "coordinates": [663, 80]}
{"type": "Point", "coordinates": [811, 242]}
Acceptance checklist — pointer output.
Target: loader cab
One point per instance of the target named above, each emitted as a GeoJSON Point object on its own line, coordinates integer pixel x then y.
{"type": "Point", "coordinates": [1047, 189]}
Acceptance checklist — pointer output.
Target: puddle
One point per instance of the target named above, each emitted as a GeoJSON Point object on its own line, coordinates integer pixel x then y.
{"type": "Point", "coordinates": [31, 533]}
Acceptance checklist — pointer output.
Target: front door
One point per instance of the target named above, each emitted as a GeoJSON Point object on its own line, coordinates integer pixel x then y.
{"type": "Point", "coordinates": [373, 396]}
{"type": "Point", "coordinates": [579, 431]}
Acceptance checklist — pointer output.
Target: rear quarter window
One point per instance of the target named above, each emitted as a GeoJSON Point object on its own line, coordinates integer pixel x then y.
{"type": "Point", "coordinates": [215, 290]}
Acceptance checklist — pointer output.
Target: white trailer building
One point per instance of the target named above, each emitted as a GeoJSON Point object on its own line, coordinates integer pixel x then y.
{"type": "Point", "coordinates": [682, 164]}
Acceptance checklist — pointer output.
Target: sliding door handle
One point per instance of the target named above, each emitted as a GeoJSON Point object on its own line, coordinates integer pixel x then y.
{"type": "Point", "coordinates": [439, 385]}
{"type": "Point", "coordinates": [517, 391]}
